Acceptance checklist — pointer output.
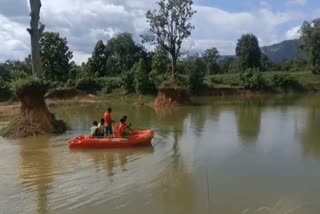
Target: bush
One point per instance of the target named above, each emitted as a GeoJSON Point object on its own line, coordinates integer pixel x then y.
{"type": "Point", "coordinates": [30, 84]}
{"type": "Point", "coordinates": [109, 84]}
{"type": "Point", "coordinates": [285, 82]}
{"type": "Point", "coordinates": [107, 89]}
{"type": "Point", "coordinates": [252, 79]}
{"type": "Point", "coordinates": [216, 80]}
{"type": "Point", "coordinates": [182, 80]}
{"type": "Point", "coordinates": [5, 92]}
{"type": "Point", "coordinates": [70, 83]}
{"type": "Point", "coordinates": [88, 85]}
{"type": "Point", "coordinates": [157, 79]}
{"type": "Point", "coordinates": [127, 82]}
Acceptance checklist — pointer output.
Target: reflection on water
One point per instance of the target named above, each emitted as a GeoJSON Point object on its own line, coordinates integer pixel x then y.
{"type": "Point", "coordinates": [36, 170]}
{"type": "Point", "coordinates": [200, 162]}
{"type": "Point", "coordinates": [248, 121]}
{"type": "Point", "coordinates": [311, 134]}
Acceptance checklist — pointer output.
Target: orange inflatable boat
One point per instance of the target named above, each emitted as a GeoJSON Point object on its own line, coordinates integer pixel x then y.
{"type": "Point", "coordinates": [138, 138]}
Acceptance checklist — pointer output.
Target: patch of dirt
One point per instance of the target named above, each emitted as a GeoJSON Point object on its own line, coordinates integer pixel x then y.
{"type": "Point", "coordinates": [168, 97]}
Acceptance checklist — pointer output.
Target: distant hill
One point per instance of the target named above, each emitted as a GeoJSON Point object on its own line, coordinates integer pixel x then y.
{"type": "Point", "coordinates": [282, 51]}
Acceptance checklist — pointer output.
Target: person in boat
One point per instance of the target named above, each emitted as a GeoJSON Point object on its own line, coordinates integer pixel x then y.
{"type": "Point", "coordinates": [101, 127]}
{"type": "Point", "coordinates": [122, 129]}
{"type": "Point", "coordinates": [128, 125]}
{"type": "Point", "coordinates": [108, 122]}
{"type": "Point", "coordinates": [115, 127]}
{"type": "Point", "coordinates": [94, 129]}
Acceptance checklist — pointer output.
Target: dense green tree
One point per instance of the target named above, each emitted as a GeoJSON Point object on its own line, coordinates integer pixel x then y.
{"type": "Point", "coordinates": [98, 60]}
{"type": "Point", "coordinates": [169, 26]}
{"type": "Point", "coordinates": [55, 57]}
{"type": "Point", "coordinates": [248, 52]}
{"type": "Point", "coordinates": [310, 32]}
{"type": "Point", "coordinates": [122, 54]}
{"type": "Point", "coordinates": [142, 80]}
{"type": "Point", "coordinates": [210, 57]}
{"type": "Point", "coordinates": [196, 69]}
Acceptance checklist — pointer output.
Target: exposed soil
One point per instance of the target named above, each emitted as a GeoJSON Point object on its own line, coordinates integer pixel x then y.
{"type": "Point", "coordinates": [34, 117]}
{"type": "Point", "coordinates": [168, 97]}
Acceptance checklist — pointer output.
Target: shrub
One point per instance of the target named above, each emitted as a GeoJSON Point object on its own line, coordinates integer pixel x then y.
{"type": "Point", "coordinates": [28, 85]}
{"type": "Point", "coordinates": [88, 85]}
{"type": "Point", "coordinates": [70, 83]}
{"type": "Point", "coordinates": [217, 80]}
{"type": "Point", "coordinates": [252, 79]}
{"type": "Point", "coordinates": [127, 82]}
{"type": "Point", "coordinates": [285, 82]}
{"type": "Point", "coordinates": [195, 82]}
{"type": "Point", "coordinates": [182, 80]}
{"type": "Point", "coordinates": [143, 84]}
{"type": "Point", "coordinates": [109, 83]}
{"type": "Point", "coordinates": [5, 92]}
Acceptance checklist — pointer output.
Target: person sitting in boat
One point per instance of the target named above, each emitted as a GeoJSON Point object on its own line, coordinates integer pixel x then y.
{"type": "Point", "coordinates": [128, 126]}
{"type": "Point", "coordinates": [94, 129]}
{"type": "Point", "coordinates": [115, 127]}
{"type": "Point", "coordinates": [122, 130]}
{"type": "Point", "coordinates": [108, 122]}
{"type": "Point", "coordinates": [101, 127]}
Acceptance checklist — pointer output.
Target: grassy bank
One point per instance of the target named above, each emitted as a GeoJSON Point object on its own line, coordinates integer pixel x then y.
{"type": "Point", "coordinates": [308, 80]}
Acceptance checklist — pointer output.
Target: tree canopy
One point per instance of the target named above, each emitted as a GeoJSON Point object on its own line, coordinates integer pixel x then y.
{"type": "Point", "coordinates": [210, 57]}
{"type": "Point", "coordinates": [169, 26]}
{"type": "Point", "coordinates": [97, 62]}
{"type": "Point", "coordinates": [310, 32]}
{"type": "Point", "coordinates": [248, 52]}
{"type": "Point", "coordinates": [55, 56]}
{"type": "Point", "coordinates": [122, 53]}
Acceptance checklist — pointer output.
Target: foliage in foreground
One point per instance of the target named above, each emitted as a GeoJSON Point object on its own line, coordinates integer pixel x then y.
{"type": "Point", "coordinates": [286, 83]}
{"type": "Point", "coordinates": [252, 79]}
{"type": "Point", "coordinates": [31, 84]}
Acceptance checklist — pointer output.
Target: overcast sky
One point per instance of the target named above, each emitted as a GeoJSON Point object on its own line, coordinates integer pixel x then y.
{"type": "Point", "coordinates": [218, 23]}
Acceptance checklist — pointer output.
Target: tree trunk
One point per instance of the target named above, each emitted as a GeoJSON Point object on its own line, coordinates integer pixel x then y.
{"type": "Point", "coordinates": [174, 69]}
{"type": "Point", "coordinates": [35, 33]}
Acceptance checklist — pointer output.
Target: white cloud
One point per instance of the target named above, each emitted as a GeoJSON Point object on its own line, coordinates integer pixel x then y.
{"type": "Point", "coordinates": [293, 33]}
{"type": "Point", "coordinates": [222, 28]}
{"type": "Point", "coordinates": [84, 22]}
{"type": "Point", "coordinates": [14, 39]}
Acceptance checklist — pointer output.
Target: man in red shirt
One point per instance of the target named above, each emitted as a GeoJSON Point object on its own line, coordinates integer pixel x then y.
{"type": "Point", "coordinates": [108, 122]}
{"type": "Point", "coordinates": [122, 128]}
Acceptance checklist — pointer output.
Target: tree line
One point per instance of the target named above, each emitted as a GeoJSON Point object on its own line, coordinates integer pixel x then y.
{"type": "Point", "coordinates": [123, 63]}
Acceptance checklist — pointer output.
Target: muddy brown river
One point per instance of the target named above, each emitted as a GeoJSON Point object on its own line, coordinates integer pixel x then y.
{"type": "Point", "coordinates": [225, 157]}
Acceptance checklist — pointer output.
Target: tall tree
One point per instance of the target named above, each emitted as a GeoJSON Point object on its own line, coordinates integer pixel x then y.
{"type": "Point", "coordinates": [310, 33]}
{"type": "Point", "coordinates": [248, 52]}
{"type": "Point", "coordinates": [123, 53]}
{"type": "Point", "coordinates": [55, 56]}
{"type": "Point", "coordinates": [35, 31]}
{"type": "Point", "coordinates": [210, 57]}
{"type": "Point", "coordinates": [169, 26]}
{"type": "Point", "coordinates": [98, 60]}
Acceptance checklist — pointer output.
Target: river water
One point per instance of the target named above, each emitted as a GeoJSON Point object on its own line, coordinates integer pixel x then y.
{"type": "Point", "coordinates": [225, 156]}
